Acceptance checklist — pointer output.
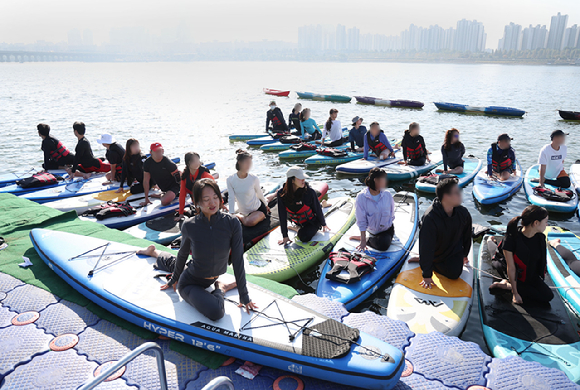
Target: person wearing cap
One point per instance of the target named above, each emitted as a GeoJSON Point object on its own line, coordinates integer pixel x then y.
{"type": "Point", "coordinates": [276, 118]}
{"type": "Point", "coordinates": [551, 162]}
{"type": "Point", "coordinates": [310, 129]}
{"type": "Point", "coordinates": [299, 203]}
{"type": "Point", "coordinates": [114, 156]}
{"type": "Point", "coordinates": [376, 141]}
{"type": "Point", "coordinates": [164, 173]}
{"type": "Point", "coordinates": [56, 155]}
{"type": "Point", "coordinates": [294, 120]}
{"type": "Point", "coordinates": [356, 136]}
{"type": "Point", "coordinates": [85, 162]}
{"type": "Point", "coordinates": [501, 158]}
{"type": "Point", "coordinates": [333, 129]}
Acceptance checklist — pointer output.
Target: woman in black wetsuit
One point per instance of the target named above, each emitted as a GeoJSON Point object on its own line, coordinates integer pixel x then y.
{"type": "Point", "coordinates": [132, 170]}
{"type": "Point", "coordinates": [452, 152]}
{"type": "Point", "coordinates": [299, 203]}
{"type": "Point", "coordinates": [524, 248]}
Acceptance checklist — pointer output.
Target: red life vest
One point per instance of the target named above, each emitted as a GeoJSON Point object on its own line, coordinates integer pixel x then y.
{"type": "Point", "coordinates": [415, 153]}
{"type": "Point", "coordinates": [59, 152]}
{"type": "Point", "coordinates": [376, 146]}
{"type": "Point", "coordinates": [300, 217]}
{"type": "Point", "coordinates": [190, 179]}
{"type": "Point", "coordinates": [500, 161]}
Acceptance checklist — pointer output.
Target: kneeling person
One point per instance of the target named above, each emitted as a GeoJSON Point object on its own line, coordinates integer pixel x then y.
{"type": "Point", "coordinates": [376, 141]}
{"type": "Point", "coordinates": [163, 172]}
{"type": "Point", "coordinates": [501, 158]}
{"type": "Point", "coordinates": [551, 162]}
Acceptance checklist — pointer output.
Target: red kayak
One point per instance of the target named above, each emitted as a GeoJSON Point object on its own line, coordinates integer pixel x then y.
{"type": "Point", "coordinates": [276, 92]}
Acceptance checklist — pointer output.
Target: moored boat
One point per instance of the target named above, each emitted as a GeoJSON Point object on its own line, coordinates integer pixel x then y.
{"type": "Point", "coordinates": [389, 103]}
{"type": "Point", "coordinates": [570, 115]}
{"type": "Point", "coordinates": [328, 98]}
{"type": "Point", "coordinates": [276, 92]}
{"type": "Point", "coordinates": [490, 110]}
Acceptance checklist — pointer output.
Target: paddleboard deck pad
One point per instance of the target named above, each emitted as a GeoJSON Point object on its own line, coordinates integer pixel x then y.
{"type": "Point", "coordinates": [540, 333]}
{"type": "Point", "coordinates": [297, 339]}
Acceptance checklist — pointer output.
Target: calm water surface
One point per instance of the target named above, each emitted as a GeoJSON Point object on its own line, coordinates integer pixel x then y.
{"type": "Point", "coordinates": [195, 106]}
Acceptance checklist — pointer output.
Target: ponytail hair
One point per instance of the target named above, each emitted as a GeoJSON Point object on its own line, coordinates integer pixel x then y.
{"type": "Point", "coordinates": [375, 173]}
{"type": "Point", "coordinates": [328, 125]}
{"type": "Point", "coordinates": [188, 157]}
{"type": "Point", "coordinates": [128, 145]}
{"type": "Point", "coordinates": [530, 215]}
{"type": "Point", "coordinates": [241, 155]}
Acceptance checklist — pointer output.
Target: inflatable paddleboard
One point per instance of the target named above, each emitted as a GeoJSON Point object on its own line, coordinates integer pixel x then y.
{"type": "Point", "coordinates": [444, 308]}
{"type": "Point", "coordinates": [319, 159]}
{"type": "Point", "coordinates": [550, 205]}
{"type": "Point", "coordinates": [303, 154]}
{"type": "Point", "coordinates": [397, 172]}
{"type": "Point", "coordinates": [263, 140]}
{"type": "Point", "coordinates": [471, 167]}
{"type": "Point", "coordinates": [362, 167]}
{"type": "Point", "coordinates": [80, 204]}
{"type": "Point", "coordinates": [388, 262]}
{"type": "Point", "coordinates": [270, 260]}
{"type": "Point", "coordinates": [11, 178]}
{"type": "Point", "coordinates": [13, 188]}
{"type": "Point", "coordinates": [559, 270]}
{"type": "Point", "coordinates": [280, 334]}
{"type": "Point", "coordinates": [539, 333]}
{"type": "Point", "coordinates": [244, 137]}
{"type": "Point", "coordinates": [279, 146]}
{"type": "Point", "coordinates": [490, 190]}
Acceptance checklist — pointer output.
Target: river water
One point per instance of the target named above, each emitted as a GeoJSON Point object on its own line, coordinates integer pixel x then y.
{"type": "Point", "coordinates": [195, 106]}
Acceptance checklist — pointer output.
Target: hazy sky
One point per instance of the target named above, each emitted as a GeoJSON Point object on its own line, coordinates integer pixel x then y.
{"type": "Point", "coordinates": [26, 21]}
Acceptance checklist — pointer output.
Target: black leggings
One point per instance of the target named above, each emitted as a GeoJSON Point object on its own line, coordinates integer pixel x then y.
{"type": "Point", "coordinates": [535, 290]}
{"type": "Point", "coordinates": [69, 159]}
{"type": "Point", "coordinates": [308, 230]}
{"type": "Point", "coordinates": [193, 289]}
{"type": "Point", "coordinates": [418, 162]}
{"type": "Point", "coordinates": [561, 182]}
{"type": "Point", "coordinates": [451, 267]}
{"type": "Point", "coordinates": [569, 258]}
{"type": "Point", "coordinates": [381, 241]}
{"type": "Point", "coordinates": [336, 143]}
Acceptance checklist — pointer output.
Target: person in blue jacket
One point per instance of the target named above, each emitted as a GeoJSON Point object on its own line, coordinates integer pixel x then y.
{"type": "Point", "coordinates": [377, 142]}
{"type": "Point", "coordinates": [310, 129]}
{"type": "Point", "coordinates": [356, 137]}
{"type": "Point", "coordinates": [501, 158]}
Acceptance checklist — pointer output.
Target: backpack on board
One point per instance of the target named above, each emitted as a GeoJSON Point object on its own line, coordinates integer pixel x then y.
{"type": "Point", "coordinates": [331, 152]}
{"type": "Point", "coordinates": [290, 139]}
{"type": "Point", "coordinates": [303, 146]}
{"type": "Point", "coordinates": [349, 267]}
{"type": "Point", "coordinates": [39, 180]}
{"type": "Point", "coordinates": [558, 195]}
{"type": "Point", "coordinates": [110, 209]}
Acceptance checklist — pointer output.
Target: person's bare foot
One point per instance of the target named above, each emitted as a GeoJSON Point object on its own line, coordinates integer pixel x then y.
{"type": "Point", "coordinates": [504, 285]}
{"type": "Point", "coordinates": [149, 251]}
{"type": "Point", "coordinates": [554, 243]}
{"type": "Point", "coordinates": [156, 196]}
{"type": "Point", "coordinates": [225, 287]}
{"type": "Point", "coordinates": [325, 204]}
{"type": "Point", "coordinates": [86, 176]}
{"type": "Point", "coordinates": [439, 171]}
{"type": "Point", "coordinates": [401, 163]}
{"type": "Point", "coordinates": [293, 228]}
{"type": "Point", "coordinates": [413, 259]}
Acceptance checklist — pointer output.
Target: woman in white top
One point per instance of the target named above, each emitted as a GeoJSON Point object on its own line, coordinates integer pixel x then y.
{"type": "Point", "coordinates": [333, 128]}
{"type": "Point", "coordinates": [244, 189]}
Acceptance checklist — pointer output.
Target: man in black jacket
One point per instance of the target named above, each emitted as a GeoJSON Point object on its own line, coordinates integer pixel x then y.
{"type": "Point", "coordinates": [445, 235]}
{"type": "Point", "coordinates": [275, 116]}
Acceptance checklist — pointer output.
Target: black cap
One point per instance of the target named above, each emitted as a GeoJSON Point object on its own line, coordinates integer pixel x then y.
{"type": "Point", "coordinates": [504, 137]}
{"type": "Point", "coordinates": [557, 133]}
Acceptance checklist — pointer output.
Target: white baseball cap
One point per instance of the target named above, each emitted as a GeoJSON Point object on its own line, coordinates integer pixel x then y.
{"type": "Point", "coordinates": [105, 139]}
{"type": "Point", "coordinates": [297, 172]}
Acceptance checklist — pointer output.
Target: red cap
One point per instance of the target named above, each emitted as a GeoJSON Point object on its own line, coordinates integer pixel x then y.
{"type": "Point", "coordinates": [156, 146]}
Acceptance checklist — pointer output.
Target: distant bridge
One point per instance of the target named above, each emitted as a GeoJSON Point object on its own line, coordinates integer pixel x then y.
{"type": "Point", "coordinates": [41, 56]}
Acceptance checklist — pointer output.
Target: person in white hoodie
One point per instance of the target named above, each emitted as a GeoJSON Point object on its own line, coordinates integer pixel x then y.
{"type": "Point", "coordinates": [375, 212]}
{"type": "Point", "coordinates": [333, 129]}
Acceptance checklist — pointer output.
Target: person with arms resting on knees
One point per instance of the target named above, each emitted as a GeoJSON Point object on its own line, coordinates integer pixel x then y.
{"type": "Point", "coordinates": [414, 150]}
{"type": "Point", "coordinates": [193, 172]}
{"type": "Point", "coordinates": [56, 155]}
{"type": "Point", "coordinates": [276, 118]}
{"type": "Point", "coordinates": [132, 171]}
{"type": "Point", "coordinates": [376, 141]}
{"type": "Point", "coordinates": [164, 173]}
{"type": "Point", "coordinates": [567, 255]}
{"type": "Point", "coordinates": [445, 234]}
{"type": "Point", "coordinates": [551, 162]}
{"type": "Point", "coordinates": [452, 152]}
{"type": "Point", "coordinates": [294, 120]}
{"type": "Point", "coordinates": [356, 136]}
{"type": "Point", "coordinates": [299, 203]}
{"type": "Point", "coordinates": [114, 156]}
{"type": "Point", "coordinates": [310, 130]}
{"type": "Point", "coordinates": [333, 129]}
{"type": "Point", "coordinates": [85, 162]}
{"type": "Point", "coordinates": [244, 190]}
{"type": "Point", "coordinates": [375, 212]}
{"type": "Point", "coordinates": [501, 158]}
{"type": "Point", "coordinates": [213, 238]}
{"type": "Point", "coordinates": [524, 249]}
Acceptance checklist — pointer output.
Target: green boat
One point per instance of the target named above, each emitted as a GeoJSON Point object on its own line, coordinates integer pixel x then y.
{"type": "Point", "coordinates": [327, 98]}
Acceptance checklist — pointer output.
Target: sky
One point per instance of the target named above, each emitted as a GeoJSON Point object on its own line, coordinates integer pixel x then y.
{"type": "Point", "coordinates": [26, 21]}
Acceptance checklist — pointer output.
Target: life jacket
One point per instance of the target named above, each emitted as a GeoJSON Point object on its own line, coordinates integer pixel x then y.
{"type": "Point", "coordinates": [303, 146]}
{"type": "Point", "coordinates": [558, 195]}
{"type": "Point", "coordinates": [110, 209]}
{"type": "Point", "coordinates": [356, 266]}
{"type": "Point", "coordinates": [332, 152]}
{"type": "Point", "coordinates": [59, 152]}
{"type": "Point", "coordinates": [290, 139]}
{"type": "Point", "coordinates": [39, 180]}
{"type": "Point", "coordinates": [300, 217]}
{"type": "Point", "coordinates": [376, 145]}
{"type": "Point", "coordinates": [434, 179]}
{"type": "Point", "coordinates": [415, 153]}
{"type": "Point", "coordinates": [500, 161]}
{"type": "Point", "coordinates": [189, 182]}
